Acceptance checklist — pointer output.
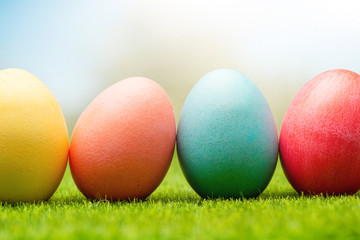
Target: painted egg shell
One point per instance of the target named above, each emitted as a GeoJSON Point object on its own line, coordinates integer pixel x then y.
{"type": "Point", "coordinates": [320, 135]}
{"type": "Point", "coordinates": [227, 139]}
{"type": "Point", "coordinates": [34, 142]}
{"type": "Point", "coordinates": [123, 143]}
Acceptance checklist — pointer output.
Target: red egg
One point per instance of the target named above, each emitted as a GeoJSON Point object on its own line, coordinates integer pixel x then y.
{"type": "Point", "coordinates": [123, 143]}
{"type": "Point", "coordinates": [320, 135]}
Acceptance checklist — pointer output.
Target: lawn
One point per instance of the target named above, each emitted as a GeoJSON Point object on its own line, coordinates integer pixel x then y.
{"type": "Point", "coordinates": [174, 211]}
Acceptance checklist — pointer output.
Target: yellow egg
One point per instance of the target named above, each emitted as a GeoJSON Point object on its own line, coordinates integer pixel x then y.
{"type": "Point", "coordinates": [34, 143]}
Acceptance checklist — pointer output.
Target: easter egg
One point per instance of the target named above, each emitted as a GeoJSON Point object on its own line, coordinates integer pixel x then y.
{"type": "Point", "coordinates": [227, 139]}
{"type": "Point", "coordinates": [123, 142]}
{"type": "Point", "coordinates": [34, 142]}
{"type": "Point", "coordinates": [320, 135]}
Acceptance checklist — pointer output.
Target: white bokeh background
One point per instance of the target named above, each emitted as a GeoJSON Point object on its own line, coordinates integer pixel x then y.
{"type": "Point", "coordinates": [78, 48]}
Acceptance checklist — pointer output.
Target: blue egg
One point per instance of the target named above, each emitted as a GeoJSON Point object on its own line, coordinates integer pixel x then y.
{"type": "Point", "coordinates": [227, 141]}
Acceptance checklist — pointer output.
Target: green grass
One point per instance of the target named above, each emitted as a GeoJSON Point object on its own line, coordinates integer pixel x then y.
{"type": "Point", "coordinates": [174, 211]}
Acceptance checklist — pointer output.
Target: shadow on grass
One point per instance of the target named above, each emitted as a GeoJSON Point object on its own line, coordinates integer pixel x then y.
{"type": "Point", "coordinates": [164, 199]}
{"type": "Point", "coordinates": [267, 196]}
{"type": "Point", "coordinates": [291, 194]}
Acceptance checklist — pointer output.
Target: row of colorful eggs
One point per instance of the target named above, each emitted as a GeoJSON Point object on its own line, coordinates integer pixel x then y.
{"type": "Point", "coordinates": [227, 142]}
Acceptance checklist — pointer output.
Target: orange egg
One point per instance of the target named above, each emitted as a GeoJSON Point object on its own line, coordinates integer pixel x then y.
{"type": "Point", "coordinates": [123, 143]}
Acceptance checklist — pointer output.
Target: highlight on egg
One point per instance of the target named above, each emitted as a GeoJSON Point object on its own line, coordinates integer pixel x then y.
{"type": "Point", "coordinates": [227, 139]}
{"type": "Point", "coordinates": [320, 135]}
{"type": "Point", "coordinates": [34, 141]}
{"type": "Point", "coordinates": [122, 144]}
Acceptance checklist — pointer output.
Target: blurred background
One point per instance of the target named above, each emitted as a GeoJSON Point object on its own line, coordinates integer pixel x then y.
{"type": "Point", "coordinates": [78, 48]}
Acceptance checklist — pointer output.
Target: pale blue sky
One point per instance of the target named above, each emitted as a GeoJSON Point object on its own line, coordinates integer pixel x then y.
{"type": "Point", "coordinates": [77, 48]}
